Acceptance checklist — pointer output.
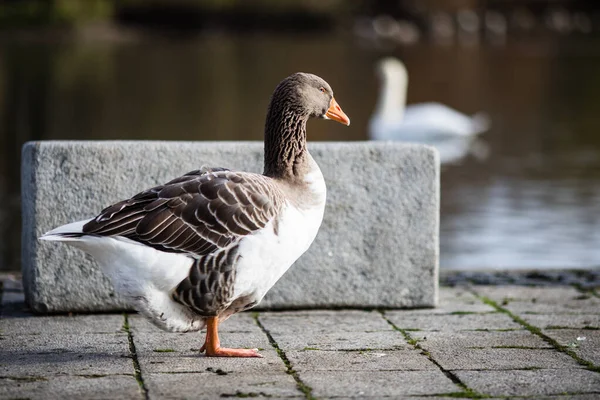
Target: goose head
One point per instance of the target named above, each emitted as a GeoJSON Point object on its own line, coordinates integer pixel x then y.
{"type": "Point", "coordinates": [296, 99]}
{"type": "Point", "coordinates": [308, 96]}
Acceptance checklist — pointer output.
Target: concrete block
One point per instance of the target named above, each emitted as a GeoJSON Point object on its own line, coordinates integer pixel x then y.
{"type": "Point", "coordinates": [377, 247]}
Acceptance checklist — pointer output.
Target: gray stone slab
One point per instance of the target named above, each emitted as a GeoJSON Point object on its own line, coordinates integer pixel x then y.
{"type": "Point", "coordinates": [455, 358]}
{"type": "Point", "coordinates": [240, 323]}
{"type": "Point", "coordinates": [549, 300]}
{"type": "Point", "coordinates": [342, 341]}
{"type": "Point", "coordinates": [541, 382]}
{"type": "Point", "coordinates": [324, 321]}
{"type": "Point", "coordinates": [80, 324]}
{"type": "Point", "coordinates": [160, 351]}
{"type": "Point", "coordinates": [545, 294]}
{"type": "Point", "coordinates": [373, 360]}
{"type": "Point", "coordinates": [70, 387]}
{"type": "Point", "coordinates": [552, 321]}
{"type": "Point", "coordinates": [44, 355]}
{"type": "Point", "coordinates": [210, 385]}
{"type": "Point", "coordinates": [590, 305]}
{"type": "Point", "coordinates": [378, 245]}
{"type": "Point", "coordinates": [414, 320]}
{"type": "Point", "coordinates": [479, 339]}
{"type": "Point", "coordinates": [377, 384]}
{"type": "Point", "coordinates": [584, 342]}
{"type": "Point", "coordinates": [459, 300]}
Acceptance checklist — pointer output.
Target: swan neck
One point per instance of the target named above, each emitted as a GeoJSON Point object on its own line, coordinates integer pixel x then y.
{"type": "Point", "coordinates": [392, 97]}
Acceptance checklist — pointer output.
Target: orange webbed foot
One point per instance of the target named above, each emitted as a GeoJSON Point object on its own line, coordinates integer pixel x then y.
{"type": "Point", "coordinates": [225, 352]}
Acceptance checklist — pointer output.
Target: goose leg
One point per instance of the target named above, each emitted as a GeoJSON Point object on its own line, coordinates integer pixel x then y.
{"type": "Point", "coordinates": [212, 345]}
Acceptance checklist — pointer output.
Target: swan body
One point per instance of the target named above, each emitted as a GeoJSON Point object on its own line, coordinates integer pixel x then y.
{"type": "Point", "coordinates": [430, 123]}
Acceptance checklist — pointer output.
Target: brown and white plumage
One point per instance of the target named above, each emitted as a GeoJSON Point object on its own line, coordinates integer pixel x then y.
{"type": "Point", "coordinates": [211, 243]}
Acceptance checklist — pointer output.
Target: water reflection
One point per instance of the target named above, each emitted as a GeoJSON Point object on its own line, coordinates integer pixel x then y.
{"type": "Point", "coordinates": [532, 203]}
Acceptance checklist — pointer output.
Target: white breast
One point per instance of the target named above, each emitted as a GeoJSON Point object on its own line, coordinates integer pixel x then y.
{"type": "Point", "coordinates": [269, 253]}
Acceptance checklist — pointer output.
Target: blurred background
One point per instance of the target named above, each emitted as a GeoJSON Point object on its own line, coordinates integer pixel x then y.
{"type": "Point", "coordinates": [204, 70]}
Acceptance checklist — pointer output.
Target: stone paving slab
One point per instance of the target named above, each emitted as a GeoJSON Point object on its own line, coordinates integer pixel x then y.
{"type": "Point", "coordinates": [558, 295]}
{"type": "Point", "coordinates": [479, 340]}
{"type": "Point", "coordinates": [451, 322]}
{"type": "Point", "coordinates": [532, 383]}
{"type": "Point", "coordinates": [496, 359]}
{"type": "Point", "coordinates": [70, 387]}
{"type": "Point", "coordinates": [553, 321]}
{"type": "Point", "coordinates": [49, 354]}
{"type": "Point", "coordinates": [564, 300]}
{"type": "Point", "coordinates": [370, 360]}
{"type": "Point", "coordinates": [428, 354]}
{"type": "Point", "coordinates": [459, 300]}
{"type": "Point", "coordinates": [210, 385]}
{"type": "Point", "coordinates": [323, 321]}
{"type": "Point", "coordinates": [584, 342]}
{"type": "Point", "coordinates": [241, 323]}
{"type": "Point", "coordinates": [355, 261]}
{"type": "Point", "coordinates": [359, 384]}
{"type": "Point", "coordinates": [60, 324]}
{"type": "Point", "coordinates": [342, 341]}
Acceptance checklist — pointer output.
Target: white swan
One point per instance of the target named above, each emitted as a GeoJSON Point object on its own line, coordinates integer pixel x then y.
{"type": "Point", "coordinates": [450, 131]}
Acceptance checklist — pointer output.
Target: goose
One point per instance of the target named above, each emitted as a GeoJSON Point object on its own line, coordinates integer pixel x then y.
{"type": "Point", "coordinates": [192, 252]}
{"type": "Point", "coordinates": [450, 131]}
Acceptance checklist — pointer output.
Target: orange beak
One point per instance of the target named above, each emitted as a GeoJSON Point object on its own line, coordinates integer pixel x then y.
{"type": "Point", "coordinates": [335, 113]}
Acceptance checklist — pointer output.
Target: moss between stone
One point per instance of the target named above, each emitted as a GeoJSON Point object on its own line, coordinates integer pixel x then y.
{"type": "Point", "coordinates": [467, 391]}
{"type": "Point", "coordinates": [467, 394]}
{"type": "Point", "coordinates": [303, 387]}
{"type": "Point", "coordinates": [537, 331]}
{"type": "Point", "coordinates": [163, 350]}
{"type": "Point", "coordinates": [136, 364]}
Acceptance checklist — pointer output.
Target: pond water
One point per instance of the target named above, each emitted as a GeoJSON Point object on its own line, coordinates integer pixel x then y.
{"type": "Point", "coordinates": [534, 202]}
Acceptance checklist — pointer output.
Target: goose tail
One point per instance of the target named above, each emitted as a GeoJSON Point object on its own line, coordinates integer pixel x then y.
{"type": "Point", "coordinates": [66, 233]}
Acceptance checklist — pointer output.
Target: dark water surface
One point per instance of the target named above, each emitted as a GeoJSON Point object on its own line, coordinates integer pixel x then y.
{"type": "Point", "coordinates": [534, 202]}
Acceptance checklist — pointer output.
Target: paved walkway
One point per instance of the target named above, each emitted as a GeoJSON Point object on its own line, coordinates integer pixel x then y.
{"type": "Point", "coordinates": [483, 341]}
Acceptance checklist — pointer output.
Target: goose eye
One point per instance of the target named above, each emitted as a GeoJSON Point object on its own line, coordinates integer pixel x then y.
{"type": "Point", "coordinates": [322, 89]}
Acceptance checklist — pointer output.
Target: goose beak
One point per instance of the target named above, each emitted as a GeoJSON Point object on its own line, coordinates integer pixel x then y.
{"type": "Point", "coordinates": [335, 113]}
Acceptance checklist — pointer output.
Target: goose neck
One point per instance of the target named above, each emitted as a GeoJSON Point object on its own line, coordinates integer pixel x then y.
{"type": "Point", "coordinates": [285, 143]}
